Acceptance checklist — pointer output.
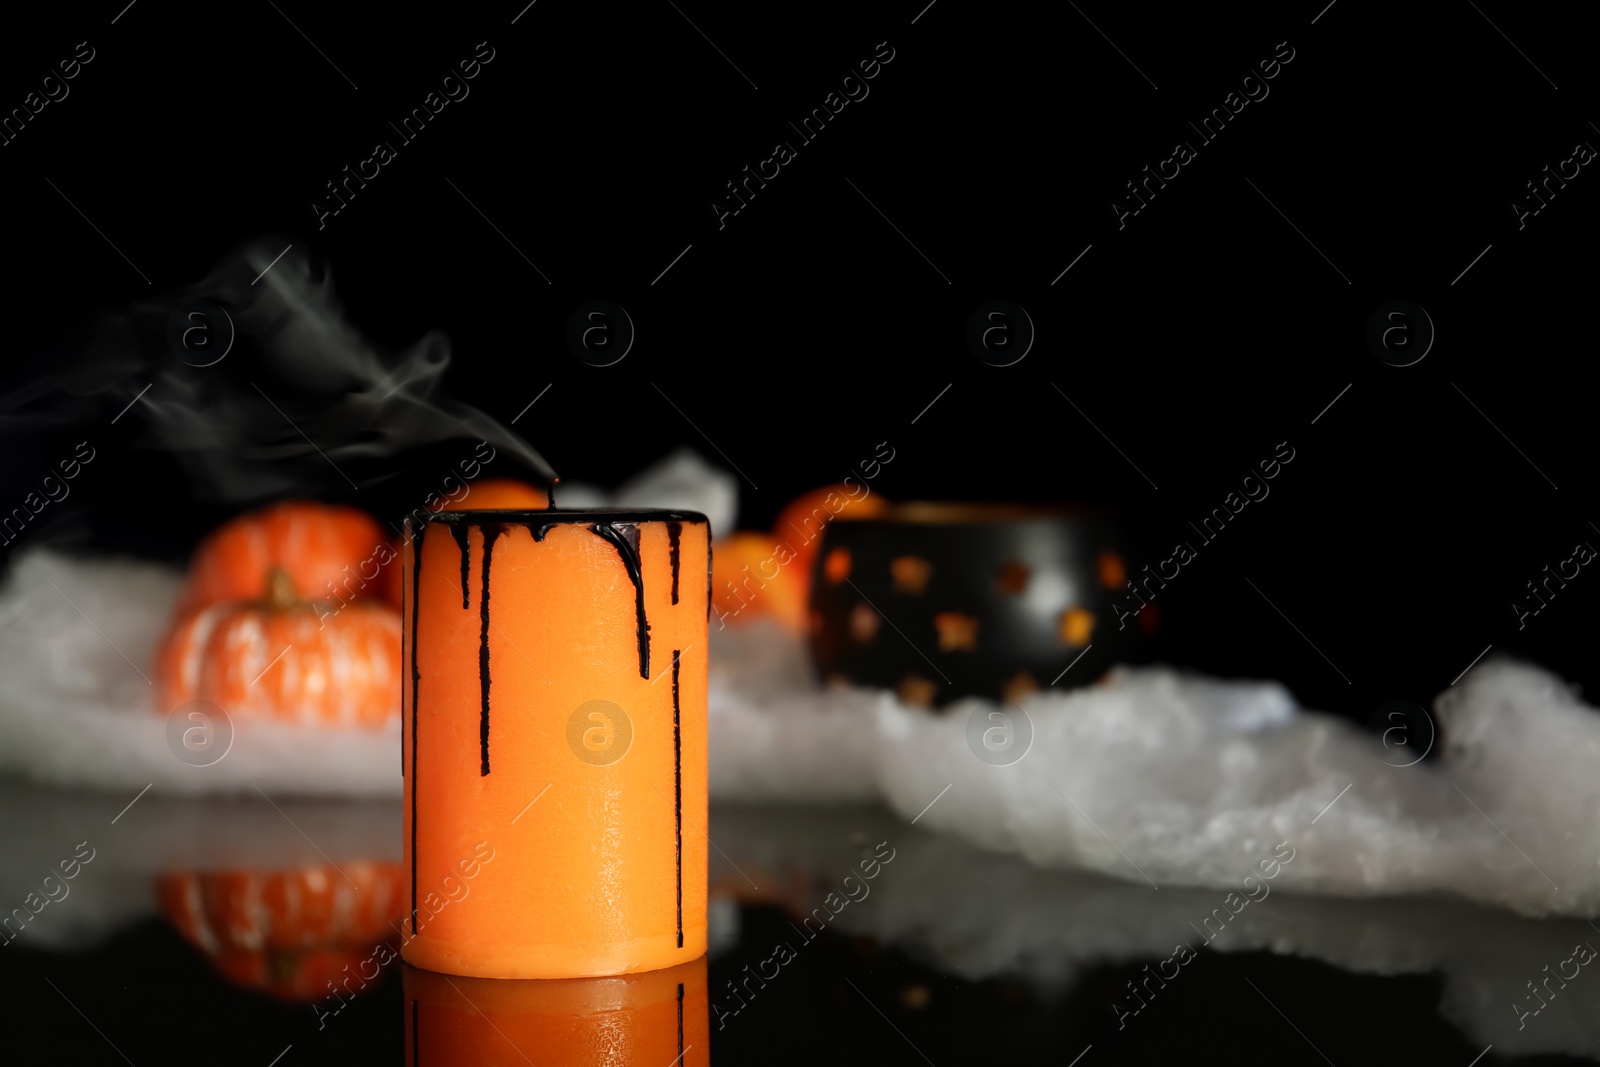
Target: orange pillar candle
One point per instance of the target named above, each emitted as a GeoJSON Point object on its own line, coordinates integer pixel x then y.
{"type": "Point", "coordinates": [555, 742]}
{"type": "Point", "coordinates": [656, 1019]}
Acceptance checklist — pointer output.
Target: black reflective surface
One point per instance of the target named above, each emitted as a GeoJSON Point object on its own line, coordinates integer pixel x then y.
{"type": "Point", "coordinates": [193, 933]}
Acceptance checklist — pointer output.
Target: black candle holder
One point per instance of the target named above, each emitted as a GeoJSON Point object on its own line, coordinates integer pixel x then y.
{"type": "Point", "coordinates": [943, 601]}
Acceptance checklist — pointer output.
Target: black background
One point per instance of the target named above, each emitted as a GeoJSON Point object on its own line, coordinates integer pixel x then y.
{"type": "Point", "coordinates": [809, 328]}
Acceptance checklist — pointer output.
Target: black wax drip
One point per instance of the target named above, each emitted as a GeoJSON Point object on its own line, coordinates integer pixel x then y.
{"type": "Point", "coordinates": [708, 572]}
{"type": "Point", "coordinates": [416, 678]}
{"type": "Point", "coordinates": [490, 532]}
{"type": "Point", "coordinates": [460, 533]}
{"type": "Point", "coordinates": [680, 1020]}
{"type": "Point", "coordinates": [674, 534]}
{"type": "Point", "coordinates": [677, 783]}
{"type": "Point", "coordinates": [626, 542]}
{"type": "Point", "coordinates": [539, 527]}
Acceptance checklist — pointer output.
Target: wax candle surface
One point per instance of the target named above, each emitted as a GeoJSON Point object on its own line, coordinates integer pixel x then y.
{"type": "Point", "coordinates": [555, 742]}
{"type": "Point", "coordinates": [654, 1019]}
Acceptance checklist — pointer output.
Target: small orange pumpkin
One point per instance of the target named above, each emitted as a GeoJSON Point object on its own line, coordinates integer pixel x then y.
{"type": "Point", "coordinates": [285, 658]}
{"type": "Point", "coordinates": [482, 495]}
{"type": "Point", "coordinates": [391, 583]}
{"type": "Point", "coordinates": [749, 580]}
{"type": "Point", "coordinates": [491, 493]}
{"type": "Point", "coordinates": [755, 575]}
{"type": "Point", "coordinates": [800, 524]}
{"type": "Point", "coordinates": [318, 545]}
{"type": "Point", "coordinates": [288, 909]}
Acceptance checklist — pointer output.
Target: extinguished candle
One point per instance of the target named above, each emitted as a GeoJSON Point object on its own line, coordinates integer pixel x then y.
{"type": "Point", "coordinates": [555, 741]}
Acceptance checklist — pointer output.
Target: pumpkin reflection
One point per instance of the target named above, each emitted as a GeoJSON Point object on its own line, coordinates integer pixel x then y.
{"type": "Point", "coordinates": [653, 1018]}
{"type": "Point", "coordinates": [791, 889]}
{"type": "Point", "coordinates": [295, 934]}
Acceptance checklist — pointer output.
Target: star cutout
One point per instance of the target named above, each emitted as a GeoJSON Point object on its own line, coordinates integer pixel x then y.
{"type": "Point", "coordinates": [1013, 577]}
{"type": "Point", "coordinates": [1018, 686]}
{"type": "Point", "coordinates": [957, 632]}
{"type": "Point", "coordinates": [864, 623]}
{"type": "Point", "coordinates": [916, 692]}
{"type": "Point", "coordinates": [1113, 575]}
{"type": "Point", "coordinates": [911, 574]}
{"type": "Point", "coordinates": [837, 566]}
{"type": "Point", "coordinates": [1076, 626]}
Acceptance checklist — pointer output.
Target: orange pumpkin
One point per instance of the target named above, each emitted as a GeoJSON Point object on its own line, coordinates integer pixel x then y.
{"type": "Point", "coordinates": [391, 584]}
{"type": "Point", "coordinates": [800, 525]}
{"type": "Point", "coordinates": [318, 545]}
{"type": "Point", "coordinates": [493, 493]}
{"type": "Point", "coordinates": [771, 573]}
{"type": "Point", "coordinates": [749, 580]}
{"type": "Point", "coordinates": [484, 495]}
{"type": "Point", "coordinates": [289, 933]}
{"type": "Point", "coordinates": [285, 658]}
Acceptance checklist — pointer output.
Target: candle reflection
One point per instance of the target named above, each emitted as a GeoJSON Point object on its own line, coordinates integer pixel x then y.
{"type": "Point", "coordinates": [654, 1018]}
